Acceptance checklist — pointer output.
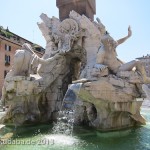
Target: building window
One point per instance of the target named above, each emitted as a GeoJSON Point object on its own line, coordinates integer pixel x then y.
{"type": "Point", "coordinates": [18, 39]}
{"type": "Point", "coordinates": [7, 60]}
{"type": "Point", "coordinates": [5, 73]}
{"type": "Point", "coordinates": [7, 47]}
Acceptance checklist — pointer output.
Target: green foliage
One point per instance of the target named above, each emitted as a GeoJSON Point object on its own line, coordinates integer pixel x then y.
{"type": "Point", "coordinates": [5, 33]}
{"type": "Point", "coordinates": [37, 47]}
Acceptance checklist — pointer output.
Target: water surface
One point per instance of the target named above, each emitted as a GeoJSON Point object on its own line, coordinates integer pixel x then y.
{"type": "Point", "coordinates": [41, 138]}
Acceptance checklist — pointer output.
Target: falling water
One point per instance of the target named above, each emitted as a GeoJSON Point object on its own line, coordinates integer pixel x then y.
{"type": "Point", "coordinates": [65, 118]}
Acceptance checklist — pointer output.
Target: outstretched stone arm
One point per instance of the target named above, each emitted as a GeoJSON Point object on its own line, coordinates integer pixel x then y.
{"type": "Point", "coordinates": [49, 60]}
{"type": "Point", "coordinates": [122, 40]}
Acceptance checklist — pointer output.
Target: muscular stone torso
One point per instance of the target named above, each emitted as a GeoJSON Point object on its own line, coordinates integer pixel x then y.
{"type": "Point", "coordinates": [112, 61]}
{"type": "Point", "coordinates": [108, 50]}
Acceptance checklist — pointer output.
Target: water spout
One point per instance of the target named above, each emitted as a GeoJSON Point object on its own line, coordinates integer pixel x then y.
{"type": "Point", "coordinates": [65, 118]}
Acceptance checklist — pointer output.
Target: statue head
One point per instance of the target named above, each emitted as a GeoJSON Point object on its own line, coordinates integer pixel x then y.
{"type": "Point", "coordinates": [108, 41]}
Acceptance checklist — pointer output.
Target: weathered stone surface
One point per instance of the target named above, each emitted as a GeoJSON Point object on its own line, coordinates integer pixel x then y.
{"type": "Point", "coordinates": [112, 89]}
{"type": "Point", "coordinates": [97, 73]}
{"type": "Point", "coordinates": [132, 76]}
{"type": "Point", "coordinates": [110, 115]}
{"type": "Point", "coordinates": [117, 82]}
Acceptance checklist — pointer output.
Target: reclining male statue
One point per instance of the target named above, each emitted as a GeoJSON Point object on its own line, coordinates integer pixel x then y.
{"type": "Point", "coordinates": [26, 63]}
{"type": "Point", "coordinates": [107, 57]}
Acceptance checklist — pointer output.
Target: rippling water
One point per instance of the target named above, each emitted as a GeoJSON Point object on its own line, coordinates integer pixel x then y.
{"type": "Point", "coordinates": [40, 138]}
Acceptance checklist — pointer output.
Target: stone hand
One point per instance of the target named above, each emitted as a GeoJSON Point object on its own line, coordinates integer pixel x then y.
{"type": "Point", "coordinates": [129, 31]}
{"type": "Point", "coordinates": [101, 67]}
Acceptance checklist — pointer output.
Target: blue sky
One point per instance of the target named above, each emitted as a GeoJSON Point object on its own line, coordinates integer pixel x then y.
{"type": "Point", "coordinates": [21, 17]}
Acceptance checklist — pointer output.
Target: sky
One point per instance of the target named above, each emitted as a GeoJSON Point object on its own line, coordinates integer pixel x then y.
{"type": "Point", "coordinates": [21, 17]}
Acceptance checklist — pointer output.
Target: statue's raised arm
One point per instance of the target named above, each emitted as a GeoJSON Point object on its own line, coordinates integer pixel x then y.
{"type": "Point", "coordinates": [122, 40]}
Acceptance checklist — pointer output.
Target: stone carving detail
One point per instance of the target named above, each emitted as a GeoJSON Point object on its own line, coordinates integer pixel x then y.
{"type": "Point", "coordinates": [23, 87]}
{"type": "Point", "coordinates": [76, 48]}
{"type": "Point", "coordinates": [61, 34]}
